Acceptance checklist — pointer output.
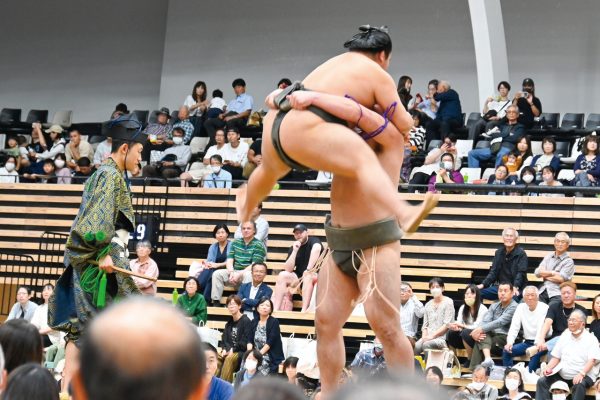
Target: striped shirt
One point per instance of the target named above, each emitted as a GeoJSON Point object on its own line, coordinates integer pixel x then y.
{"type": "Point", "coordinates": [243, 255]}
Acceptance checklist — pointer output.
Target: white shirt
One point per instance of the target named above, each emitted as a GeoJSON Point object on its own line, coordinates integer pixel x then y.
{"type": "Point", "coordinates": [471, 324]}
{"type": "Point", "coordinates": [189, 101]}
{"type": "Point", "coordinates": [8, 177]}
{"type": "Point", "coordinates": [212, 150]}
{"type": "Point", "coordinates": [238, 154]}
{"type": "Point", "coordinates": [217, 102]}
{"type": "Point", "coordinates": [410, 313]}
{"type": "Point", "coordinates": [499, 106]}
{"type": "Point", "coordinates": [575, 352]}
{"type": "Point", "coordinates": [530, 321]}
{"type": "Point", "coordinates": [57, 148]}
{"type": "Point", "coordinates": [40, 320]}
{"type": "Point", "coordinates": [102, 152]}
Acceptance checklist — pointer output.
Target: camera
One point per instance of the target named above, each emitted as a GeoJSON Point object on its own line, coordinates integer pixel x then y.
{"type": "Point", "coordinates": [525, 94]}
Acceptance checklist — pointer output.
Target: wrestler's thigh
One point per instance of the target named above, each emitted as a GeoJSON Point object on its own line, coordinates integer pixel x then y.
{"type": "Point", "coordinates": [270, 158]}
{"type": "Point", "coordinates": [384, 303]}
{"type": "Point", "coordinates": [324, 146]}
{"type": "Point", "coordinates": [336, 293]}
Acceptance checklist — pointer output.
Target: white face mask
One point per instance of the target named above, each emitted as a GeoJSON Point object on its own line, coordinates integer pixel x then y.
{"type": "Point", "coordinates": [527, 178]}
{"type": "Point", "coordinates": [251, 365]}
{"type": "Point", "coordinates": [215, 168]}
{"type": "Point", "coordinates": [511, 384]}
{"type": "Point", "coordinates": [560, 396]}
{"type": "Point", "coordinates": [9, 166]}
{"type": "Point", "coordinates": [470, 301]}
{"type": "Point", "coordinates": [59, 163]}
{"type": "Point", "coordinates": [447, 165]}
{"type": "Point", "coordinates": [436, 291]}
{"type": "Point", "coordinates": [477, 385]}
{"type": "Point", "coordinates": [177, 140]}
{"type": "Point", "coordinates": [547, 179]}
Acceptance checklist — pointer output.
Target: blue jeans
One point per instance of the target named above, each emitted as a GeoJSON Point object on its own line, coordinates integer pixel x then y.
{"type": "Point", "coordinates": [477, 155]}
{"type": "Point", "coordinates": [205, 282]}
{"type": "Point", "coordinates": [519, 350]}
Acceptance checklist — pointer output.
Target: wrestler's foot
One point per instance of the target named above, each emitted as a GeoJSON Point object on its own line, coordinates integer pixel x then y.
{"type": "Point", "coordinates": [242, 212]}
{"type": "Point", "coordinates": [419, 213]}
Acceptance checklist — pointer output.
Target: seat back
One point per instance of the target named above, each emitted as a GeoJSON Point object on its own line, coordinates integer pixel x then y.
{"type": "Point", "coordinates": [562, 149]}
{"type": "Point", "coordinates": [593, 122]}
{"type": "Point", "coordinates": [40, 116]}
{"type": "Point", "coordinates": [142, 116]}
{"type": "Point", "coordinates": [473, 117]}
{"type": "Point", "coordinates": [572, 121]}
{"type": "Point", "coordinates": [63, 118]}
{"type": "Point", "coordinates": [470, 173]}
{"type": "Point", "coordinates": [550, 120]}
{"type": "Point", "coordinates": [10, 115]}
{"type": "Point", "coordinates": [434, 144]}
{"type": "Point", "coordinates": [174, 117]}
{"type": "Point", "coordinates": [153, 117]}
{"type": "Point", "coordinates": [536, 147]}
{"type": "Point", "coordinates": [487, 173]}
{"type": "Point", "coordinates": [463, 147]}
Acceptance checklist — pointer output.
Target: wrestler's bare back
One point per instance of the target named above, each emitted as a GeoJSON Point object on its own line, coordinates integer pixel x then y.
{"type": "Point", "coordinates": [360, 77]}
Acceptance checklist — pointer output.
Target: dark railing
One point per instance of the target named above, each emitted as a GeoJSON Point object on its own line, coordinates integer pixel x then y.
{"type": "Point", "coordinates": [15, 270]}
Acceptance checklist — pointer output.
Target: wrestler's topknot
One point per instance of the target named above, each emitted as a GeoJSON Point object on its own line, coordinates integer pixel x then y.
{"type": "Point", "coordinates": [371, 40]}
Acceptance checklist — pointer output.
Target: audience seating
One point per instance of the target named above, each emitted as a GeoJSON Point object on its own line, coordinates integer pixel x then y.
{"type": "Point", "coordinates": [9, 116]}
{"type": "Point", "coordinates": [549, 120]}
{"type": "Point", "coordinates": [142, 116]}
{"type": "Point", "coordinates": [572, 121]}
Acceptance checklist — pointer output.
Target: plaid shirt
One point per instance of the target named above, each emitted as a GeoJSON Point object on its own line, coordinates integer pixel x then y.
{"type": "Point", "coordinates": [368, 360]}
{"type": "Point", "coordinates": [187, 127]}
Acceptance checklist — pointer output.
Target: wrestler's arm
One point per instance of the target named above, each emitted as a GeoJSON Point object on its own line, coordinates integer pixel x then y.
{"type": "Point", "coordinates": [386, 95]}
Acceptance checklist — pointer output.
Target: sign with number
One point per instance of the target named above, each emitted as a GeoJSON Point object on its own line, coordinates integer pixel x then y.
{"type": "Point", "coordinates": [146, 229]}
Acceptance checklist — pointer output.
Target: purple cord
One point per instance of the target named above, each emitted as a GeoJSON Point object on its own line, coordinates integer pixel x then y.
{"type": "Point", "coordinates": [386, 116]}
{"type": "Point", "coordinates": [359, 107]}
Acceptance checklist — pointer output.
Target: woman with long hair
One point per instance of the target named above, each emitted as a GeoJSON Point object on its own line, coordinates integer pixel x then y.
{"type": "Point", "coordinates": [469, 316]}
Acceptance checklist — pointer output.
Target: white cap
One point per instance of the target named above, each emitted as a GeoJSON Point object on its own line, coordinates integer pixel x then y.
{"type": "Point", "coordinates": [560, 385]}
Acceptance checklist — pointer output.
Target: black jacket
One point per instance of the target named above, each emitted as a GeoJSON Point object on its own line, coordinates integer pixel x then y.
{"type": "Point", "coordinates": [515, 261]}
{"type": "Point", "coordinates": [273, 340]}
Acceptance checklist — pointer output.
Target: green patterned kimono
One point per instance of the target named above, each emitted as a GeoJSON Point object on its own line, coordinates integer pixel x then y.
{"type": "Point", "coordinates": [105, 207]}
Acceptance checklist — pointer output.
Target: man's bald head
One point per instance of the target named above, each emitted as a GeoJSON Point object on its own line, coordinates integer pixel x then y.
{"type": "Point", "coordinates": [140, 349]}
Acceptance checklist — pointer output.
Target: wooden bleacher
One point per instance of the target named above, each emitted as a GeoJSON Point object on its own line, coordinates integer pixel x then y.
{"type": "Point", "coordinates": [457, 242]}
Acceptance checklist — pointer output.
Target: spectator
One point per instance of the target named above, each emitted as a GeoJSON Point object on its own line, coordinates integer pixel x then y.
{"type": "Point", "coordinates": [479, 388]}
{"type": "Point", "coordinates": [84, 170]}
{"type": "Point", "coordinates": [404, 85]}
{"type": "Point", "coordinates": [217, 105]}
{"type": "Point", "coordinates": [254, 158]}
{"type": "Point", "coordinates": [290, 371]}
{"type": "Point", "coordinates": [192, 303]}
{"type": "Point", "coordinates": [252, 292]}
{"type": "Point", "coordinates": [556, 267]}
{"type": "Point", "coordinates": [513, 388]}
{"type": "Point", "coordinates": [559, 390]}
{"type": "Point", "coordinates": [500, 177]}
{"type": "Point", "coordinates": [470, 316]}
{"type": "Point", "coordinates": [21, 343]}
{"type": "Point", "coordinates": [266, 337]}
{"type": "Point", "coordinates": [449, 113]}
{"type": "Point", "coordinates": [527, 176]}
{"type": "Point", "coordinates": [557, 317]}
{"type": "Point", "coordinates": [8, 173]}
{"type": "Point", "coordinates": [199, 169]}
{"type": "Point", "coordinates": [587, 164]}
{"type": "Point", "coordinates": [446, 173]}
{"type": "Point", "coordinates": [370, 360]}
{"type": "Point", "coordinates": [12, 147]}
{"type": "Point", "coordinates": [595, 325]}
{"type": "Point", "coordinates": [411, 310]}
{"type": "Point", "coordinates": [146, 266]}
{"type": "Point", "coordinates": [235, 154]}
{"type": "Point", "coordinates": [120, 110]}
{"type": "Point", "coordinates": [421, 175]}
{"type": "Point", "coordinates": [530, 107]}
{"type": "Point", "coordinates": [236, 337]}
{"type": "Point", "coordinates": [58, 143]}
{"type": "Point", "coordinates": [509, 132]}
{"type": "Point", "coordinates": [218, 388]}
{"type": "Point", "coordinates": [417, 132]}
{"type": "Point", "coordinates": [219, 178]}
{"type": "Point", "coordinates": [185, 124]}
{"type": "Point", "coordinates": [40, 320]}
{"type": "Point", "coordinates": [547, 158]}
{"type": "Point", "coordinates": [548, 175]}
{"type": "Point", "coordinates": [528, 317]}
{"type": "Point", "coordinates": [494, 110]}
{"type": "Point", "coordinates": [262, 226]}
{"type": "Point", "coordinates": [284, 83]}
{"type": "Point", "coordinates": [242, 254]}
{"type": "Point", "coordinates": [24, 308]}
{"type": "Point", "coordinates": [428, 105]}
{"type": "Point", "coordinates": [141, 349]}
{"type": "Point", "coordinates": [76, 149]}
{"type": "Point", "coordinates": [523, 149]}
{"type": "Point", "coordinates": [158, 133]}
{"type": "Point", "coordinates": [512, 161]}
{"type": "Point", "coordinates": [298, 270]}
{"type": "Point", "coordinates": [238, 111]}
{"type": "Point", "coordinates": [30, 381]}
{"type": "Point", "coordinates": [102, 152]}
{"type": "Point", "coordinates": [509, 265]}
{"type": "Point", "coordinates": [577, 351]}
{"type": "Point", "coordinates": [216, 259]}
{"type": "Point", "coordinates": [439, 312]}
{"type": "Point", "coordinates": [197, 104]}
{"type": "Point", "coordinates": [250, 362]}
{"type": "Point", "coordinates": [491, 335]}
{"type": "Point", "coordinates": [174, 159]}
{"type": "Point", "coordinates": [63, 173]}
{"type": "Point", "coordinates": [434, 376]}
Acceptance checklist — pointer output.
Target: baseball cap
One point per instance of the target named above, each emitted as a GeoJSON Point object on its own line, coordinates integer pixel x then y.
{"type": "Point", "coordinates": [55, 129]}
{"type": "Point", "coordinates": [560, 385]}
{"type": "Point", "coordinates": [299, 227]}
{"type": "Point", "coordinates": [528, 82]}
